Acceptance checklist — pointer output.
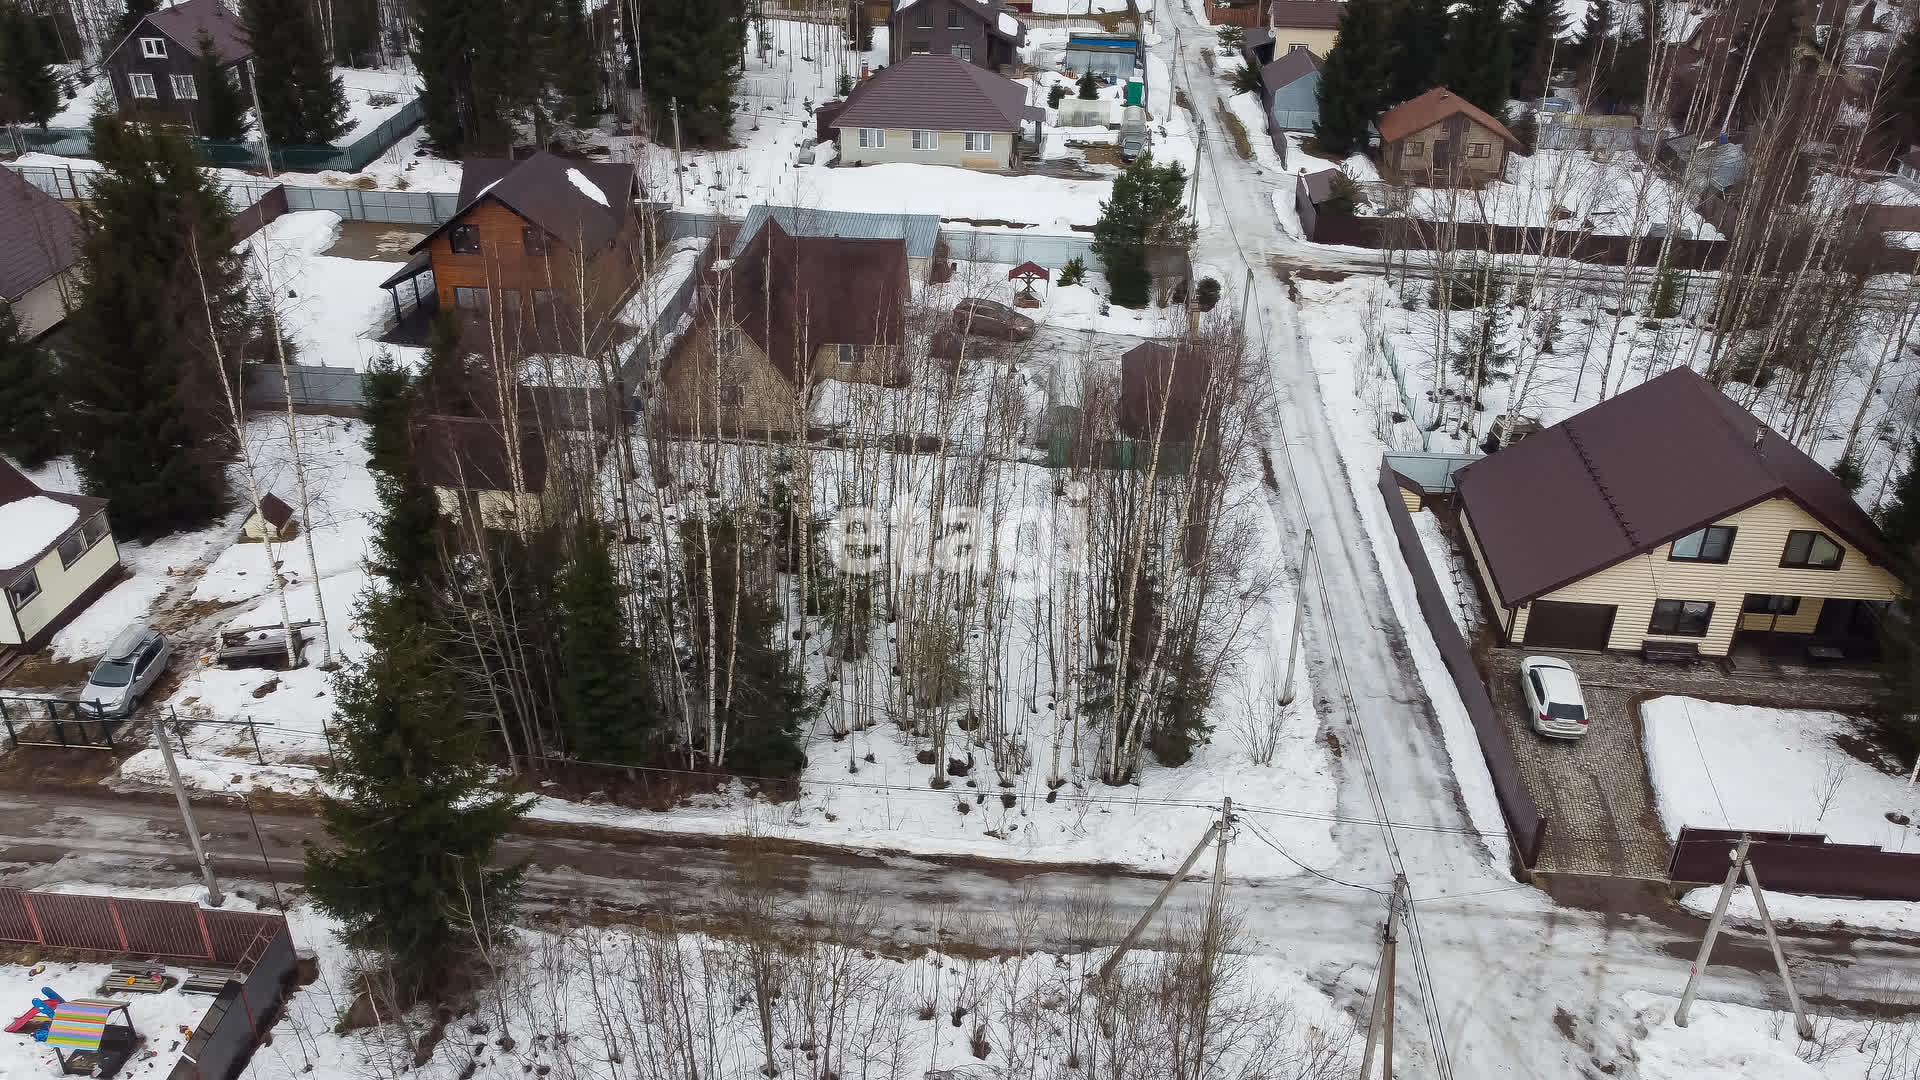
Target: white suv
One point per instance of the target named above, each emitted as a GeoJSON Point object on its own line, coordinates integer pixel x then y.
{"type": "Point", "coordinates": [1554, 702]}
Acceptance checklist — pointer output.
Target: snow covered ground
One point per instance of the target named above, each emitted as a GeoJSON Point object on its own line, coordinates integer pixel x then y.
{"type": "Point", "coordinates": [1736, 1042]}
{"type": "Point", "coordinates": [330, 308]}
{"type": "Point", "coordinates": [361, 85]}
{"type": "Point", "coordinates": [1568, 189]}
{"type": "Point", "coordinates": [160, 1019]}
{"type": "Point", "coordinates": [1779, 770]}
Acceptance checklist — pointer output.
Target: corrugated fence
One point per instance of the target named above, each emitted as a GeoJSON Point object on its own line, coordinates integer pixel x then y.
{"type": "Point", "coordinates": [1798, 863]}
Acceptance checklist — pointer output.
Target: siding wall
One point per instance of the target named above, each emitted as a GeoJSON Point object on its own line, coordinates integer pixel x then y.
{"type": "Point", "coordinates": [904, 32]}
{"type": "Point", "coordinates": [497, 509]}
{"type": "Point", "coordinates": [45, 306]}
{"type": "Point", "coordinates": [178, 61]}
{"type": "Point", "coordinates": [769, 401]}
{"type": "Point", "coordinates": [1492, 165]}
{"type": "Point", "coordinates": [1318, 40]}
{"type": "Point", "coordinates": [503, 263]}
{"type": "Point", "coordinates": [1500, 613]}
{"type": "Point", "coordinates": [875, 365]}
{"type": "Point", "coordinates": [952, 150]}
{"type": "Point", "coordinates": [62, 585]}
{"type": "Point", "coordinates": [1754, 567]}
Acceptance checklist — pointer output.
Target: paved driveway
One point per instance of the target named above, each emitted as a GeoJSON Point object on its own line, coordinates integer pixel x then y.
{"type": "Point", "coordinates": [1594, 791]}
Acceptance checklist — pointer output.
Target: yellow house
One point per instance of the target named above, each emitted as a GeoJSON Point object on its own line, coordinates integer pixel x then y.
{"type": "Point", "coordinates": [1670, 517]}
{"type": "Point", "coordinates": [479, 475]}
{"type": "Point", "coordinates": [1313, 25]}
{"type": "Point", "coordinates": [57, 555]}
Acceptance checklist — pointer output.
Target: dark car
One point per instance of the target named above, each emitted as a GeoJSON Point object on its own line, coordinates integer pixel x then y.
{"type": "Point", "coordinates": [992, 319]}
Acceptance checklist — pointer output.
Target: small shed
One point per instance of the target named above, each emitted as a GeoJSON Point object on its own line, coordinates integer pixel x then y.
{"type": "Point", "coordinates": [273, 520]}
{"type": "Point", "coordinates": [86, 1038]}
{"type": "Point", "coordinates": [1026, 274]}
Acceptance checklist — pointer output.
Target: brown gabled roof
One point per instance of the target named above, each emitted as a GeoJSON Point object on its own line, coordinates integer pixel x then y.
{"type": "Point", "coordinates": [1288, 69]}
{"type": "Point", "coordinates": [41, 236]}
{"type": "Point", "coordinates": [1432, 107]}
{"type": "Point", "coordinates": [550, 192]}
{"type": "Point", "coordinates": [275, 510]}
{"type": "Point", "coordinates": [183, 24]}
{"type": "Point", "coordinates": [940, 93]}
{"type": "Point", "coordinates": [469, 453]}
{"type": "Point", "coordinates": [1152, 372]}
{"type": "Point", "coordinates": [793, 294]}
{"type": "Point", "coordinates": [1306, 15]}
{"type": "Point", "coordinates": [16, 485]}
{"type": "Point", "coordinates": [987, 11]}
{"type": "Point", "coordinates": [1636, 471]}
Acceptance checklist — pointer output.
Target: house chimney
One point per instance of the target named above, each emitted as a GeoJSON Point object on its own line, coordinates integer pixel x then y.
{"type": "Point", "coordinates": [865, 71]}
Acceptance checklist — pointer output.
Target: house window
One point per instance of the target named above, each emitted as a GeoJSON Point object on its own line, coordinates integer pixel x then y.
{"type": "Point", "coordinates": [153, 48]}
{"type": "Point", "coordinates": [919, 48]}
{"type": "Point", "coordinates": [1711, 544]}
{"type": "Point", "coordinates": [1683, 618]}
{"type": "Point", "coordinates": [953, 19]}
{"type": "Point", "coordinates": [980, 141]}
{"type": "Point", "coordinates": [1810, 550]}
{"type": "Point", "coordinates": [96, 528]}
{"type": "Point", "coordinates": [1479, 150]}
{"type": "Point", "coordinates": [22, 591]}
{"type": "Point", "coordinates": [79, 541]}
{"type": "Point", "coordinates": [733, 397]}
{"type": "Point", "coordinates": [543, 298]}
{"type": "Point", "coordinates": [926, 140]}
{"type": "Point", "coordinates": [142, 85]}
{"type": "Point", "coordinates": [533, 240]}
{"type": "Point", "coordinates": [1763, 604]}
{"type": "Point", "coordinates": [469, 298]}
{"type": "Point", "coordinates": [849, 355]}
{"type": "Point", "coordinates": [1413, 149]}
{"type": "Point", "coordinates": [925, 21]}
{"type": "Point", "coordinates": [876, 138]}
{"type": "Point", "coordinates": [465, 239]}
{"type": "Point", "coordinates": [964, 52]}
{"type": "Point", "coordinates": [183, 88]}
{"type": "Point", "coordinates": [1298, 46]}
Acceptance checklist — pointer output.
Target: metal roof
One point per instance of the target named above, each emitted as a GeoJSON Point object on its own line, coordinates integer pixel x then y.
{"type": "Point", "coordinates": [942, 93]}
{"type": "Point", "coordinates": [42, 236]}
{"type": "Point", "coordinates": [1433, 472]}
{"type": "Point", "coordinates": [919, 231]}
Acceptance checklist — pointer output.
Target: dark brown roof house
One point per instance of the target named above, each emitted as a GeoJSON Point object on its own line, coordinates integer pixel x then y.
{"type": "Point", "coordinates": [940, 93]}
{"type": "Point", "coordinates": [1156, 376]}
{"type": "Point", "coordinates": [38, 255]}
{"type": "Point", "coordinates": [795, 294]}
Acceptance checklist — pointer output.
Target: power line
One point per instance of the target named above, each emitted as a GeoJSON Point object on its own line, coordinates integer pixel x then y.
{"type": "Point", "coordinates": [1264, 838]}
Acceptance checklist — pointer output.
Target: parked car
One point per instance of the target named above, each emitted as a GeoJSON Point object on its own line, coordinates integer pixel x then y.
{"type": "Point", "coordinates": [993, 319]}
{"type": "Point", "coordinates": [1133, 133]}
{"type": "Point", "coordinates": [128, 669]}
{"type": "Point", "coordinates": [1554, 701]}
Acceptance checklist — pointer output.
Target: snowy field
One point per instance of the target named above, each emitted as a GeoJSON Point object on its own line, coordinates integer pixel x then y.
{"type": "Point", "coordinates": [331, 309]}
{"type": "Point", "coordinates": [1567, 189]}
{"type": "Point", "coordinates": [1724, 766]}
{"type": "Point", "coordinates": [1735, 1042]}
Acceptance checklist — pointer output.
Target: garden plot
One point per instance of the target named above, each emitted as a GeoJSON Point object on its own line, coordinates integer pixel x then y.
{"type": "Point", "coordinates": [1724, 766]}
{"type": "Point", "coordinates": [330, 308]}
{"type": "Point", "coordinates": [1568, 189]}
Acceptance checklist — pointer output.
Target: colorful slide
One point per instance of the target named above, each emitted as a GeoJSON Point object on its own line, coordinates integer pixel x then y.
{"type": "Point", "coordinates": [42, 1008]}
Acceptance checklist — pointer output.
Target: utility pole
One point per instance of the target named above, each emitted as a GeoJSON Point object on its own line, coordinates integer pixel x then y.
{"type": "Point", "coordinates": [1299, 620]}
{"type": "Point", "coordinates": [266, 152]}
{"type": "Point", "coordinates": [186, 814]}
{"type": "Point", "coordinates": [1216, 829]}
{"type": "Point", "coordinates": [1740, 864]}
{"type": "Point", "coordinates": [1380, 1024]}
{"type": "Point", "coordinates": [679, 177]}
{"type": "Point", "coordinates": [1199, 155]}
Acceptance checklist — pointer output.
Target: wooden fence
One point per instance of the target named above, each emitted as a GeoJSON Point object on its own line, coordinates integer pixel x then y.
{"type": "Point", "coordinates": [1687, 253]}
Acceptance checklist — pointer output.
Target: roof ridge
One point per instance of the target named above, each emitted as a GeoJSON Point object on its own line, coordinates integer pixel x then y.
{"type": "Point", "coordinates": [1599, 483]}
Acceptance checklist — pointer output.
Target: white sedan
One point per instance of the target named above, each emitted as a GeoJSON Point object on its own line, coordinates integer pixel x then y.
{"type": "Point", "coordinates": [1554, 702]}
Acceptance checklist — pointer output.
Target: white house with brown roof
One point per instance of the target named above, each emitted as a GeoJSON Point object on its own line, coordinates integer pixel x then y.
{"type": "Point", "coordinates": [40, 256]}
{"type": "Point", "coordinates": [935, 110]}
{"type": "Point", "coordinates": [57, 556]}
{"type": "Point", "coordinates": [1668, 517]}
{"type": "Point", "coordinates": [1311, 25]}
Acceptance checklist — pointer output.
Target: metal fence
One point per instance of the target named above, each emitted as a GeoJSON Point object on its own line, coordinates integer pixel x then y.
{"type": "Point", "coordinates": [1798, 863]}
{"type": "Point", "coordinates": [167, 929]}
{"type": "Point", "coordinates": [312, 386]}
{"type": "Point", "coordinates": [245, 153]}
{"type": "Point", "coordinates": [375, 204]}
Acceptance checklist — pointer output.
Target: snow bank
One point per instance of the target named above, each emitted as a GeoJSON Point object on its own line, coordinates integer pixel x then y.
{"type": "Point", "coordinates": [1569, 189]}
{"type": "Point", "coordinates": [1746, 767]}
{"type": "Point", "coordinates": [28, 525]}
{"type": "Point", "coordinates": [1723, 1041]}
{"type": "Point", "coordinates": [1898, 916]}
{"type": "Point", "coordinates": [330, 308]}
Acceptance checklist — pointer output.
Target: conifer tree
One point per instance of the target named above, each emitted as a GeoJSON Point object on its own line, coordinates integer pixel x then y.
{"type": "Point", "coordinates": [1419, 33]}
{"type": "Point", "coordinates": [220, 98]}
{"type": "Point", "coordinates": [1480, 56]}
{"type": "Point", "coordinates": [417, 818]}
{"type": "Point", "coordinates": [27, 401]}
{"type": "Point", "coordinates": [606, 705]}
{"type": "Point", "coordinates": [29, 91]}
{"type": "Point", "coordinates": [1089, 86]}
{"type": "Point", "coordinates": [690, 53]}
{"type": "Point", "coordinates": [1900, 516]}
{"type": "Point", "coordinates": [146, 419]}
{"type": "Point", "coordinates": [1536, 24]}
{"type": "Point", "coordinates": [568, 57]}
{"type": "Point", "coordinates": [356, 32]}
{"type": "Point", "coordinates": [303, 103]}
{"type": "Point", "coordinates": [1593, 31]}
{"type": "Point", "coordinates": [1144, 213]}
{"type": "Point", "coordinates": [440, 55]}
{"type": "Point", "coordinates": [135, 11]}
{"type": "Point", "coordinates": [1355, 78]}
{"type": "Point", "coordinates": [1899, 108]}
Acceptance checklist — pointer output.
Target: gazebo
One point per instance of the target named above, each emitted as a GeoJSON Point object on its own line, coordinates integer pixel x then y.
{"type": "Point", "coordinates": [85, 1037]}
{"type": "Point", "coordinates": [1026, 274]}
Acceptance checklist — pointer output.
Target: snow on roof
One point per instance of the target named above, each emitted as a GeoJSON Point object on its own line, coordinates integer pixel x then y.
{"type": "Point", "coordinates": [28, 526]}
{"type": "Point", "coordinates": [1009, 25]}
{"type": "Point", "coordinates": [586, 187]}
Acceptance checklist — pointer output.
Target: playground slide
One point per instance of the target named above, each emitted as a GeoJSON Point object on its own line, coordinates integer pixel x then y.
{"type": "Point", "coordinates": [42, 1007]}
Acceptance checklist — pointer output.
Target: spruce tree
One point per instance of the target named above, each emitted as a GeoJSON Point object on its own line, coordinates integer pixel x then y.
{"type": "Point", "coordinates": [1089, 86]}
{"type": "Point", "coordinates": [606, 710]}
{"type": "Point", "coordinates": [1480, 56]}
{"type": "Point", "coordinates": [1593, 31]}
{"type": "Point", "coordinates": [440, 55]}
{"type": "Point", "coordinates": [1355, 77]}
{"type": "Point", "coordinates": [147, 420]}
{"type": "Point", "coordinates": [302, 102]}
{"type": "Point", "coordinates": [29, 90]}
{"type": "Point", "coordinates": [1535, 27]}
{"type": "Point", "coordinates": [220, 98]}
{"type": "Point", "coordinates": [356, 33]}
{"type": "Point", "coordinates": [690, 53]}
{"type": "Point", "coordinates": [417, 817]}
{"type": "Point", "coordinates": [1898, 110]}
{"type": "Point", "coordinates": [1900, 515]}
{"type": "Point", "coordinates": [135, 11]}
{"type": "Point", "coordinates": [27, 401]}
{"type": "Point", "coordinates": [1419, 32]}
{"type": "Point", "coordinates": [568, 59]}
{"type": "Point", "coordinates": [1144, 213]}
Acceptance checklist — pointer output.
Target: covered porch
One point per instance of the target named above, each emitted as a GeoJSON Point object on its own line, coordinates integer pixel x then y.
{"type": "Point", "coordinates": [1783, 634]}
{"type": "Point", "coordinates": [416, 301]}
